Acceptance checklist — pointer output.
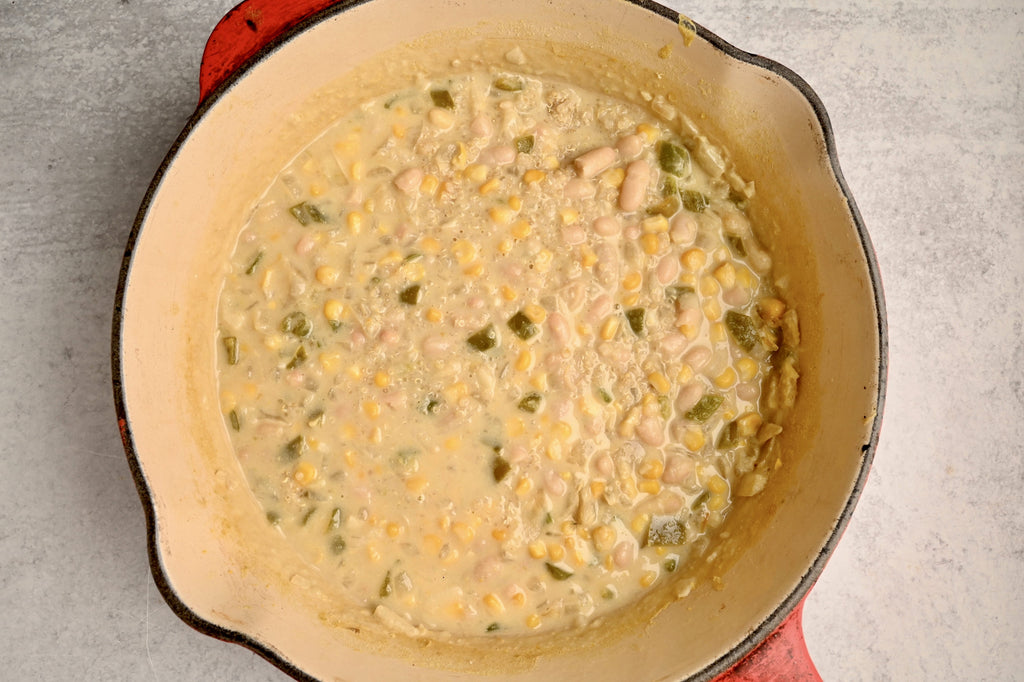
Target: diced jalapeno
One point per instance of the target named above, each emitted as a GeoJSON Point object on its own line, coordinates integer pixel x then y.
{"type": "Point", "coordinates": [307, 213]}
{"type": "Point", "coordinates": [665, 530]}
{"type": "Point", "coordinates": [300, 357]}
{"type": "Point", "coordinates": [508, 83]}
{"type": "Point", "coordinates": [742, 328]}
{"type": "Point", "coordinates": [231, 346]}
{"type": "Point", "coordinates": [297, 324]}
{"type": "Point", "coordinates": [236, 422]}
{"type": "Point", "coordinates": [485, 339]}
{"type": "Point", "coordinates": [411, 295]}
{"type": "Point", "coordinates": [673, 159]}
{"type": "Point", "coordinates": [524, 144]}
{"type": "Point", "coordinates": [637, 320]}
{"type": "Point", "coordinates": [704, 408]}
{"type": "Point", "coordinates": [500, 468]}
{"type": "Point", "coordinates": [337, 544]}
{"type": "Point", "coordinates": [442, 99]}
{"type": "Point", "coordinates": [294, 449]}
{"type": "Point", "coordinates": [253, 263]}
{"type": "Point", "coordinates": [694, 201]}
{"type": "Point", "coordinates": [522, 326]}
{"type": "Point", "coordinates": [557, 572]}
{"type": "Point", "coordinates": [530, 402]}
{"type": "Point", "coordinates": [385, 587]}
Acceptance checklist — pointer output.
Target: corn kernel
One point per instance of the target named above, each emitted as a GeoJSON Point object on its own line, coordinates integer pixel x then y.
{"type": "Point", "coordinates": [533, 621]}
{"type": "Point", "coordinates": [609, 327]}
{"type": "Point", "coordinates": [464, 251]}
{"type": "Point", "coordinates": [747, 368]}
{"type": "Point", "coordinates": [771, 309]}
{"type": "Point", "coordinates": [381, 379]}
{"type": "Point", "coordinates": [556, 551]}
{"type": "Point", "coordinates": [429, 184]}
{"type": "Point", "coordinates": [726, 379]}
{"type": "Point", "coordinates": [416, 484]}
{"type": "Point", "coordinates": [613, 176]}
{"type": "Point", "coordinates": [474, 270]}
{"type": "Point", "coordinates": [717, 502]}
{"type": "Point", "coordinates": [744, 277]}
{"type": "Point", "coordinates": [648, 578]}
{"type": "Point", "coordinates": [717, 485]}
{"type": "Point", "coordinates": [659, 382]}
{"type": "Point", "coordinates": [305, 473]}
{"type": "Point", "coordinates": [330, 361]}
{"type": "Point", "coordinates": [477, 173]}
{"type": "Point", "coordinates": [630, 300]}
{"type": "Point", "coordinates": [748, 424]}
{"type": "Point", "coordinates": [505, 246]}
{"type": "Point", "coordinates": [655, 224]}
{"type": "Point", "coordinates": [709, 286]}
{"type": "Point", "coordinates": [430, 245]}
{"type": "Point", "coordinates": [524, 486]}
{"type": "Point", "coordinates": [539, 381]}
{"type": "Point", "coordinates": [569, 215]}
{"type": "Point", "coordinates": [514, 426]}
{"type": "Point", "coordinates": [524, 361]}
{"type": "Point", "coordinates": [515, 203]}
{"type": "Point", "coordinates": [355, 222]}
{"type": "Point", "coordinates": [717, 331]}
{"type": "Point", "coordinates": [651, 468]}
{"type": "Point", "coordinates": [371, 408]}
{"type": "Point", "coordinates": [494, 604]}
{"type": "Point", "coordinates": [639, 523]}
{"type": "Point", "coordinates": [393, 529]}
{"type": "Point", "coordinates": [632, 281]}
{"type": "Point", "coordinates": [357, 171]}
{"type": "Point", "coordinates": [533, 175]}
{"type": "Point", "coordinates": [316, 189]}
{"type": "Point", "coordinates": [537, 549]}
{"type": "Point", "coordinates": [433, 315]}
{"type": "Point", "coordinates": [693, 438]}
{"type": "Point", "coordinates": [521, 229]}
{"type": "Point", "coordinates": [604, 538]}
{"type": "Point", "coordinates": [453, 442]}
{"type": "Point", "coordinates": [502, 215]}
{"type": "Point", "coordinates": [597, 488]}
{"type": "Point", "coordinates": [650, 243]}
{"type": "Point", "coordinates": [554, 450]}
{"type": "Point", "coordinates": [649, 132]}
{"type": "Point", "coordinates": [355, 372]}
{"type": "Point", "coordinates": [649, 487]}
{"type": "Point", "coordinates": [542, 261]}
{"type": "Point", "coordinates": [499, 534]}
{"type": "Point", "coordinates": [398, 130]}
{"type": "Point", "coordinates": [490, 186]}
{"type": "Point", "coordinates": [685, 375]}
{"type": "Point", "coordinates": [464, 532]}
{"type": "Point", "coordinates": [372, 553]}
{"type": "Point", "coordinates": [376, 435]}
{"type": "Point", "coordinates": [726, 275]}
{"type": "Point", "coordinates": [508, 293]}
{"type": "Point", "coordinates": [693, 259]}
{"type": "Point", "coordinates": [536, 313]}
{"type": "Point", "coordinates": [562, 431]}
{"type": "Point", "coordinates": [519, 598]}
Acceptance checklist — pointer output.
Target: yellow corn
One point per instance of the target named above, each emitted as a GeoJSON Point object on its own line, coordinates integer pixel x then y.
{"type": "Point", "coordinates": [693, 259]}
{"type": "Point", "coordinates": [330, 361]}
{"type": "Point", "coordinates": [609, 327]}
{"type": "Point", "coordinates": [604, 538]}
{"type": "Point", "coordinates": [726, 379]}
{"type": "Point", "coordinates": [533, 175]}
{"type": "Point", "coordinates": [416, 484]}
{"type": "Point", "coordinates": [355, 372]}
{"type": "Point", "coordinates": [305, 473]}
{"type": "Point", "coordinates": [542, 261]}
{"type": "Point", "coordinates": [539, 381]}
{"type": "Point", "coordinates": [648, 578]}
{"type": "Point", "coordinates": [316, 189]}
{"type": "Point", "coordinates": [393, 529]}
{"type": "Point", "coordinates": [515, 203]}
{"type": "Point", "coordinates": [771, 309]}
{"type": "Point", "coordinates": [429, 184]}
{"type": "Point", "coordinates": [650, 243]}
{"type": "Point", "coordinates": [717, 331]}
{"type": "Point", "coordinates": [494, 604]}
{"type": "Point", "coordinates": [717, 502]}
{"type": "Point", "coordinates": [748, 424]}
{"type": "Point", "coordinates": [693, 438]}
{"type": "Point", "coordinates": [536, 313]}
{"type": "Point", "coordinates": [524, 361]}
{"type": "Point", "coordinates": [562, 431]}
{"type": "Point", "coordinates": [744, 277]}
{"type": "Point", "coordinates": [613, 176]}
{"type": "Point", "coordinates": [505, 246]}
{"type": "Point", "coordinates": [464, 251]}
{"type": "Point", "coordinates": [655, 224]}
{"type": "Point", "coordinates": [685, 374]}
{"type": "Point", "coordinates": [524, 486]}
{"type": "Point", "coordinates": [554, 450]}
{"type": "Point", "coordinates": [649, 487]}
{"type": "Point", "coordinates": [597, 488]}
{"type": "Point", "coordinates": [659, 382]}
{"type": "Point", "coordinates": [639, 523]}
{"type": "Point", "coordinates": [632, 281]}
{"type": "Point", "coordinates": [508, 293]}
{"type": "Point", "coordinates": [726, 275]}
{"type": "Point", "coordinates": [747, 368]}
{"type": "Point", "coordinates": [372, 553]}
{"type": "Point", "coordinates": [381, 379]}
{"type": "Point", "coordinates": [521, 229]}
{"type": "Point", "coordinates": [376, 434]}
{"type": "Point", "coordinates": [502, 215]}
{"type": "Point", "coordinates": [430, 245]}
{"type": "Point", "coordinates": [533, 621]}
{"type": "Point", "coordinates": [630, 300]}
{"type": "Point", "coordinates": [355, 222]}
{"type": "Point", "coordinates": [474, 270]}
{"type": "Point", "coordinates": [709, 286]}
{"type": "Point", "coordinates": [519, 598]}
{"type": "Point", "coordinates": [651, 468]}
{"type": "Point", "coordinates": [453, 442]}
{"type": "Point", "coordinates": [717, 485]}
{"type": "Point", "coordinates": [537, 549]}
{"type": "Point", "coordinates": [649, 132]}
{"type": "Point", "coordinates": [490, 186]}
{"type": "Point", "coordinates": [569, 215]}
{"type": "Point", "coordinates": [371, 408]}
{"type": "Point", "coordinates": [587, 256]}
{"type": "Point", "coordinates": [556, 551]}
{"type": "Point", "coordinates": [357, 171]}
{"type": "Point", "coordinates": [398, 130]}
{"type": "Point", "coordinates": [464, 532]}
{"type": "Point", "coordinates": [477, 173]}
{"type": "Point", "coordinates": [433, 315]}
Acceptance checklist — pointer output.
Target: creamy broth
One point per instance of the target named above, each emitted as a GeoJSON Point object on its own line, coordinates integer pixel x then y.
{"type": "Point", "coordinates": [498, 353]}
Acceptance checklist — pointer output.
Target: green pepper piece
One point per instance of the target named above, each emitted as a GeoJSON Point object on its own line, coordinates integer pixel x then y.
{"type": "Point", "coordinates": [297, 359]}
{"type": "Point", "coordinates": [493, 627]}
{"type": "Point", "coordinates": [701, 499]}
{"type": "Point", "coordinates": [524, 144]}
{"type": "Point", "coordinates": [273, 517]}
{"type": "Point", "coordinates": [670, 565]}
{"type": "Point", "coordinates": [231, 346]}
{"type": "Point", "coordinates": [294, 449]}
{"type": "Point", "coordinates": [297, 324]}
{"type": "Point", "coordinates": [485, 339]}
{"type": "Point", "coordinates": [508, 83]}
{"type": "Point", "coordinates": [664, 406]}
{"type": "Point", "coordinates": [530, 402]}
{"type": "Point", "coordinates": [316, 418]}
{"type": "Point", "coordinates": [665, 530]}
{"type": "Point", "coordinates": [729, 436]}
{"type": "Point", "coordinates": [675, 291]}
{"type": "Point", "coordinates": [604, 395]}
{"type": "Point", "coordinates": [385, 587]}
{"type": "Point", "coordinates": [307, 516]}
{"type": "Point", "coordinates": [252, 265]}
{"type": "Point", "coordinates": [442, 98]}
{"type": "Point", "coordinates": [673, 159]}
{"type": "Point", "coordinates": [637, 320]}
{"type": "Point", "coordinates": [694, 201]}
{"type": "Point", "coordinates": [667, 207]}
{"type": "Point", "coordinates": [430, 405]}
{"type": "Point", "coordinates": [704, 408]}
{"type": "Point", "coordinates": [608, 593]}
{"type": "Point", "coordinates": [742, 328]}
{"type": "Point", "coordinates": [735, 243]}
{"type": "Point", "coordinates": [236, 423]}
{"type": "Point", "coordinates": [557, 572]}
{"type": "Point", "coordinates": [500, 468]}
{"type": "Point", "coordinates": [411, 295]}
{"type": "Point", "coordinates": [334, 523]}
{"type": "Point", "coordinates": [307, 213]}
{"type": "Point", "coordinates": [522, 326]}
{"type": "Point", "coordinates": [337, 544]}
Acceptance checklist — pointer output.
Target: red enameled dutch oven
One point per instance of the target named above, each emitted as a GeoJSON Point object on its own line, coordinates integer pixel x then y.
{"type": "Point", "coordinates": [275, 72]}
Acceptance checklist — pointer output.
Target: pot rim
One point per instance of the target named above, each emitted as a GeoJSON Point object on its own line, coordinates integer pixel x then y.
{"type": "Point", "coordinates": [730, 657]}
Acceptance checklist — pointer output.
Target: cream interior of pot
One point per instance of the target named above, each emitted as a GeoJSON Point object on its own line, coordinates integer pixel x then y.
{"type": "Point", "coordinates": [231, 569]}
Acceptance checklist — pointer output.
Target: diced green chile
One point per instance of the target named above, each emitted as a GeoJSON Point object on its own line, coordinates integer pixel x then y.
{"type": "Point", "coordinates": [673, 159]}
{"type": "Point", "coordinates": [297, 324]}
{"type": "Point", "coordinates": [411, 295]}
{"type": "Point", "coordinates": [236, 423]}
{"type": "Point", "coordinates": [675, 291]}
{"type": "Point", "coordinates": [508, 83]}
{"type": "Point", "coordinates": [670, 564]}
{"type": "Point", "coordinates": [701, 499]}
{"type": "Point", "coordinates": [493, 627]}
{"type": "Point", "coordinates": [231, 346]}
{"type": "Point", "coordinates": [667, 207]}
{"type": "Point", "coordinates": [742, 328]}
{"type": "Point", "coordinates": [637, 320]}
{"type": "Point", "coordinates": [705, 407]}
{"type": "Point", "coordinates": [430, 405]}
{"type": "Point", "coordinates": [273, 517]}
{"type": "Point", "coordinates": [307, 516]}
{"type": "Point", "coordinates": [500, 468]}
{"type": "Point", "coordinates": [294, 449]}
{"type": "Point", "coordinates": [530, 402]}
{"type": "Point", "coordinates": [557, 572]}
{"type": "Point", "coordinates": [729, 436]}
{"type": "Point", "coordinates": [522, 326]}
{"type": "Point", "coordinates": [334, 522]}
{"type": "Point", "coordinates": [694, 201]}
{"type": "Point", "coordinates": [442, 99]}
{"type": "Point", "coordinates": [524, 144]}
{"type": "Point", "coordinates": [665, 530]}
{"type": "Point", "coordinates": [337, 544]}
{"type": "Point", "coordinates": [307, 213]}
{"type": "Point", "coordinates": [604, 395]}
{"type": "Point", "coordinates": [300, 357]}
{"type": "Point", "coordinates": [735, 243]}
{"type": "Point", "coordinates": [255, 261]}
{"type": "Point", "coordinates": [386, 587]}
{"type": "Point", "coordinates": [485, 339]}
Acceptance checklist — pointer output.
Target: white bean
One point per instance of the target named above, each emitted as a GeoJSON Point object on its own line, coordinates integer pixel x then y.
{"type": "Point", "coordinates": [481, 126]}
{"type": "Point", "coordinates": [559, 327]}
{"type": "Point", "coordinates": [630, 146]}
{"type": "Point", "coordinates": [305, 245]}
{"type": "Point", "coordinates": [737, 296]}
{"type": "Point", "coordinates": [688, 396]}
{"type": "Point", "coordinates": [688, 317]}
{"type": "Point", "coordinates": [574, 234]}
{"type": "Point", "coordinates": [651, 431]}
{"type": "Point", "coordinates": [631, 231]}
{"type": "Point", "coordinates": [607, 226]}
{"type": "Point", "coordinates": [736, 223]}
{"type": "Point", "coordinates": [697, 357]}
{"type": "Point", "coordinates": [624, 553]}
{"type": "Point", "coordinates": [747, 391]}
{"type": "Point", "coordinates": [672, 345]}
{"type": "Point", "coordinates": [667, 269]}
{"type": "Point", "coordinates": [441, 118]}
{"type": "Point", "coordinates": [604, 465]}
{"type": "Point", "coordinates": [409, 180]}
{"type": "Point", "coordinates": [599, 309]}
{"type": "Point", "coordinates": [579, 188]}
{"type": "Point", "coordinates": [593, 162]}
{"type": "Point", "coordinates": [499, 155]}
{"type": "Point", "coordinates": [677, 469]}
{"type": "Point", "coordinates": [684, 228]}
{"type": "Point", "coordinates": [434, 347]}
{"type": "Point", "coordinates": [554, 483]}
{"type": "Point", "coordinates": [634, 185]}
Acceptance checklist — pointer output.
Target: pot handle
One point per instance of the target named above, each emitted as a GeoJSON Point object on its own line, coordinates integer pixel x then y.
{"type": "Point", "coordinates": [781, 656]}
{"type": "Point", "coordinates": [244, 30]}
